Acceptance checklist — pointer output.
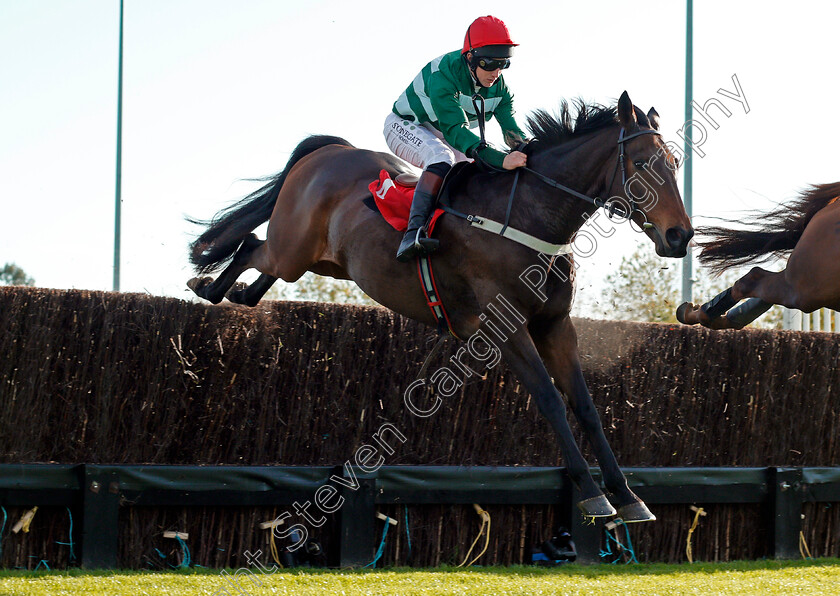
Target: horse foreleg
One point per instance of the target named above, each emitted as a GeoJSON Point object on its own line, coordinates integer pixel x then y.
{"type": "Point", "coordinates": [797, 286]}
{"type": "Point", "coordinates": [736, 318]}
{"type": "Point", "coordinates": [521, 355]}
{"type": "Point", "coordinates": [764, 288]}
{"type": "Point", "coordinates": [691, 314]}
{"type": "Point", "coordinates": [557, 344]}
{"type": "Point", "coordinates": [746, 312]}
{"type": "Point", "coordinates": [214, 290]}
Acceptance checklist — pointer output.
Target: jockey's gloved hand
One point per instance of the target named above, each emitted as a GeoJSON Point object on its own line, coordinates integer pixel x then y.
{"type": "Point", "coordinates": [515, 159]}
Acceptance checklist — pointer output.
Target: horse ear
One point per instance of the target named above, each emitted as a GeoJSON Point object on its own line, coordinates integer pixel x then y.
{"type": "Point", "coordinates": [626, 113]}
{"type": "Point", "coordinates": [641, 117]}
{"type": "Point", "coordinates": [653, 116]}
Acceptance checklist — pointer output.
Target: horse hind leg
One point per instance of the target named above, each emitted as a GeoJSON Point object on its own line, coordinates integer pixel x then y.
{"type": "Point", "coordinates": [214, 290]}
{"type": "Point", "coordinates": [250, 295]}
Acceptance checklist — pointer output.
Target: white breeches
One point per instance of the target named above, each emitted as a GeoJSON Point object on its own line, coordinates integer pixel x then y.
{"type": "Point", "coordinates": [419, 144]}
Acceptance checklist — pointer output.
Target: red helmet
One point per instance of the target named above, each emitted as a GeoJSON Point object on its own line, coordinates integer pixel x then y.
{"type": "Point", "coordinates": [489, 31]}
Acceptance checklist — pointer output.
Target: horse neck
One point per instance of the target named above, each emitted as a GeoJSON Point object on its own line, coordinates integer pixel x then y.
{"type": "Point", "coordinates": [584, 167]}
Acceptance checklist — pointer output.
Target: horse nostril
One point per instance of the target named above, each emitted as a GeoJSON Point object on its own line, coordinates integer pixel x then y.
{"type": "Point", "coordinates": [675, 237]}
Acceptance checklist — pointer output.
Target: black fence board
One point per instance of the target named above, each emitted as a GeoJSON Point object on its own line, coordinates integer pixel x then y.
{"type": "Point", "coordinates": [98, 491]}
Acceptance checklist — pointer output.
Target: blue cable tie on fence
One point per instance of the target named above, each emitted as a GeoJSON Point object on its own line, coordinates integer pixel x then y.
{"type": "Point", "coordinates": [3, 527]}
{"type": "Point", "coordinates": [41, 562]}
{"type": "Point", "coordinates": [407, 533]}
{"type": "Point", "coordinates": [185, 562]}
{"type": "Point", "coordinates": [381, 548]}
{"type": "Point", "coordinates": [70, 544]}
{"type": "Point", "coordinates": [628, 549]}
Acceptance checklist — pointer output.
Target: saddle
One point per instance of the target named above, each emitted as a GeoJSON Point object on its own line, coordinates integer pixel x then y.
{"type": "Point", "coordinates": [391, 197]}
{"type": "Point", "coordinates": [407, 179]}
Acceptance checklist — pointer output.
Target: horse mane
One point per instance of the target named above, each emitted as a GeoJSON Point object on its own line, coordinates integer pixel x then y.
{"type": "Point", "coordinates": [775, 236]}
{"type": "Point", "coordinates": [574, 121]}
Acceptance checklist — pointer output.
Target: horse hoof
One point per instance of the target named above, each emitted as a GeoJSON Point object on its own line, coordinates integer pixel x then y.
{"type": "Point", "coordinates": [597, 506]}
{"type": "Point", "coordinates": [635, 512]}
{"type": "Point", "coordinates": [199, 286]}
{"type": "Point", "coordinates": [682, 310]}
{"type": "Point", "coordinates": [196, 283]}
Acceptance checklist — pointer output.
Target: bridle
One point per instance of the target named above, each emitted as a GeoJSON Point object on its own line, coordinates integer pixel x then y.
{"type": "Point", "coordinates": [621, 140]}
{"type": "Point", "coordinates": [612, 206]}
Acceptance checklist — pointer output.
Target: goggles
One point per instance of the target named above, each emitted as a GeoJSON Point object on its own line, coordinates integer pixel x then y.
{"type": "Point", "coordinates": [491, 63]}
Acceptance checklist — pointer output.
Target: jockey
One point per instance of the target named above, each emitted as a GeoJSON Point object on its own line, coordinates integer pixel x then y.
{"type": "Point", "coordinates": [429, 126]}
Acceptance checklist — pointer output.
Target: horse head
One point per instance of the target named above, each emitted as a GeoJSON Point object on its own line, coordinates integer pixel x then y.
{"type": "Point", "coordinates": [648, 183]}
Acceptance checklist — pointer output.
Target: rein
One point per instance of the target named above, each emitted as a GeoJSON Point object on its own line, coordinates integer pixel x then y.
{"type": "Point", "coordinates": [613, 207]}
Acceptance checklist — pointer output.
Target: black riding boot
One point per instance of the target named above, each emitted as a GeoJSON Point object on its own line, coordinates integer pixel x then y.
{"type": "Point", "coordinates": [415, 241]}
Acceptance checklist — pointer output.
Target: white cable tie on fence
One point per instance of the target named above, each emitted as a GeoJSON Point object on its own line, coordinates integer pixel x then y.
{"type": "Point", "coordinates": [271, 524]}
{"type": "Point", "coordinates": [24, 521]}
{"type": "Point", "coordinates": [385, 518]}
{"type": "Point", "coordinates": [176, 535]}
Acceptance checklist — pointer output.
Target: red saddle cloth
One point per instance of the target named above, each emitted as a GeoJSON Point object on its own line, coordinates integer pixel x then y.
{"type": "Point", "coordinates": [394, 202]}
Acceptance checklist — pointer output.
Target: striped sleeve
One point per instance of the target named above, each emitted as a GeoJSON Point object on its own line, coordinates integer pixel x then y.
{"type": "Point", "coordinates": [504, 115]}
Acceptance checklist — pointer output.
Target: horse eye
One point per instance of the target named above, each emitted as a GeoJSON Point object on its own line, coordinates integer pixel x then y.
{"type": "Point", "coordinates": [639, 163]}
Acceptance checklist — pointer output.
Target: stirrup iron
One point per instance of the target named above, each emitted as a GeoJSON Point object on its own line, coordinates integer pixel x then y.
{"type": "Point", "coordinates": [423, 243]}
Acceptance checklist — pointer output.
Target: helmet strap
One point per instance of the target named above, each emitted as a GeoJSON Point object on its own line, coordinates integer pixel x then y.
{"type": "Point", "coordinates": [471, 68]}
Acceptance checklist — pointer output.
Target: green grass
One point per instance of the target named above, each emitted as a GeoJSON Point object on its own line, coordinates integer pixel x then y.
{"type": "Point", "coordinates": [817, 577]}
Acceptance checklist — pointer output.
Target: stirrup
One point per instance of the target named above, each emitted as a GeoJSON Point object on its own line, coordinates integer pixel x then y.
{"type": "Point", "coordinates": [423, 244]}
{"type": "Point", "coordinates": [420, 246]}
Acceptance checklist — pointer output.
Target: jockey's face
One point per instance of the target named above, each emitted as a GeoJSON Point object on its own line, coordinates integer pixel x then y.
{"type": "Point", "coordinates": [487, 77]}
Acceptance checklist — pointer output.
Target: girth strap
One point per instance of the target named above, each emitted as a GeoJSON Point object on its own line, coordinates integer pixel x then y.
{"type": "Point", "coordinates": [510, 233]}
{"type": "Point", "coordinates": [427, 282]}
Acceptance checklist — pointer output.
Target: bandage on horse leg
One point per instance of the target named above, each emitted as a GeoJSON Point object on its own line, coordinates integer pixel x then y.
{"type": "Point", "coordinates": [744, 314]}
{"type": "Point", "coordinates": [719, 305]}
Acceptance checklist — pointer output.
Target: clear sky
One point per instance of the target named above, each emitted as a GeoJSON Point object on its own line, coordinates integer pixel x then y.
{"type": "Point", "coordinates": [220, 91]}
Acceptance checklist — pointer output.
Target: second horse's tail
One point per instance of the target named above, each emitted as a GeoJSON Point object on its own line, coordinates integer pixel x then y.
{"type": "Point", "coordinates": [229, 227]}
{"type": "Point", "coordinates": [778, 233]}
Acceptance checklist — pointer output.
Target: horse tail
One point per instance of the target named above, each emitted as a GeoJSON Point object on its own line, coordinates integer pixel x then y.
{"type": "Point", "coordinates": [777, 235]}
{"type": "Point", "coordinates": [230, 226]}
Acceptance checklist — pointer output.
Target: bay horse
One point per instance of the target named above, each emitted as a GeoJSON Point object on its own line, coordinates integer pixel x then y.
{"type": "Point", "coordinates": [808, 229]}
{"type": "Point", "coordinates": [318, 222]}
